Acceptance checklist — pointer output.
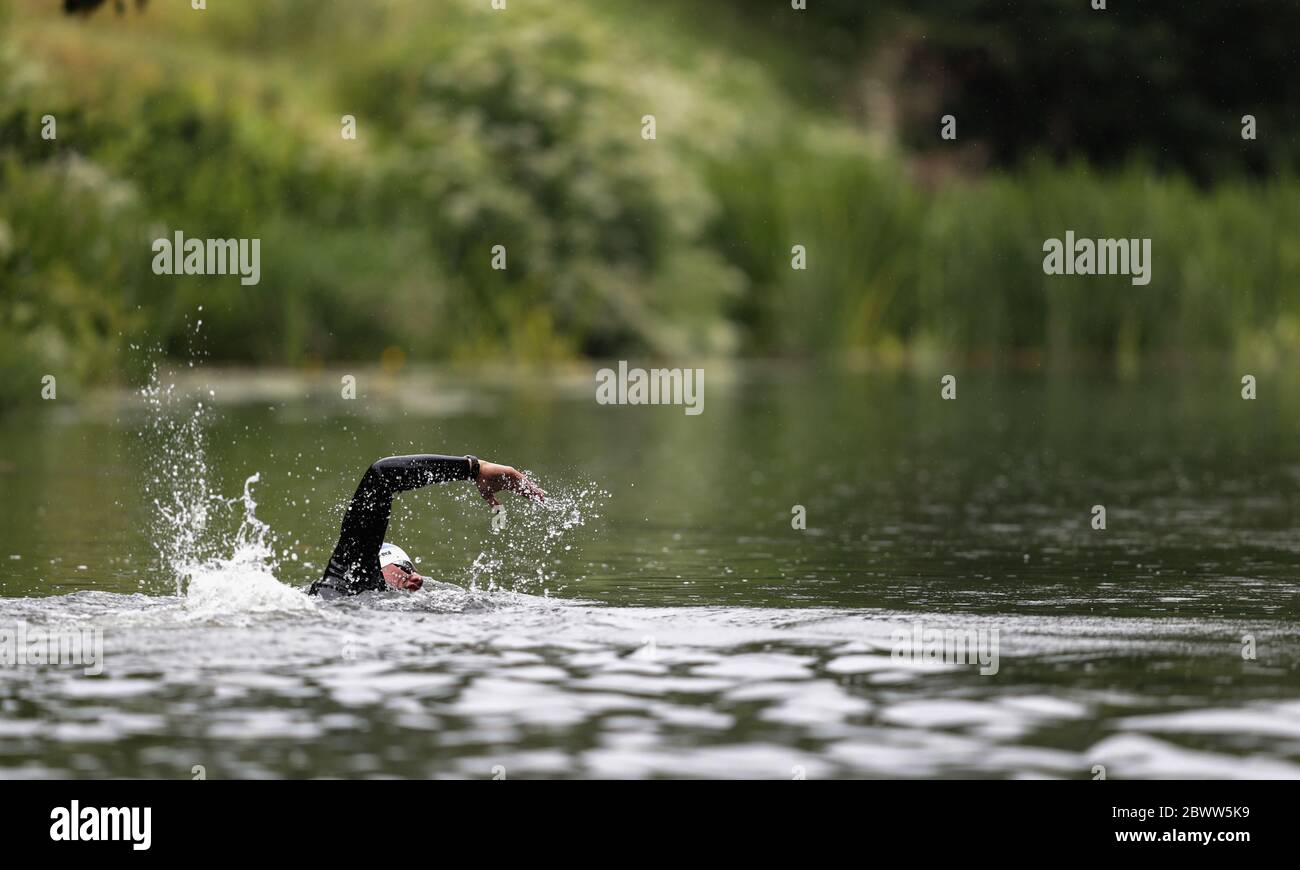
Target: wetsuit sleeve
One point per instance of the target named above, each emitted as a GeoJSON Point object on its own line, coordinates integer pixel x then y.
{"type": "Point", "coordinates": [366, 521]}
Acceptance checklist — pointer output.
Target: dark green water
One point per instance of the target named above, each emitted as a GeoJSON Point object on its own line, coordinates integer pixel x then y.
{"type": "Point", "coordinates": [662, 617]}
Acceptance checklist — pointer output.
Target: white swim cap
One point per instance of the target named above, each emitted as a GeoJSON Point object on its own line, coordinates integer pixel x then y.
{"type": "Point", "coordinates": [391, 554]}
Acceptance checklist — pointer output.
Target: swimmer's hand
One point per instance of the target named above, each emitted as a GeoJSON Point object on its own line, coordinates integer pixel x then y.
{"type": "Point", "coordinates": [493, 478]}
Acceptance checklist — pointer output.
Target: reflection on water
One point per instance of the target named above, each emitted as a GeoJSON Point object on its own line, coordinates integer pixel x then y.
{"type": "Point", "coordinates": [456, 684]}
{"type": "Point", "coordinates": [663, 618]}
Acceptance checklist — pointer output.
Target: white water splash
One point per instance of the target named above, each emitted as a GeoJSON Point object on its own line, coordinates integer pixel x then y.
{"type": "Point", "coordinates": [217, 573]}
{"type": "Point", "coordinates": [521, 556]}
{"type": "Point", "coordinates": [245, 581]}
{"type": "Point", "coordinates": [178, 485]}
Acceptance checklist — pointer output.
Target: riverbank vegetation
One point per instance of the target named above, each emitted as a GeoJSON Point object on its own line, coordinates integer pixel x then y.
{"type": "Point", "coordinates": [524, 129]}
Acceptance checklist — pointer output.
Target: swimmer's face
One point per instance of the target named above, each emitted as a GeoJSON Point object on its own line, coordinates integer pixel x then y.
{"type": "Point", "coordinates": [401, 575]}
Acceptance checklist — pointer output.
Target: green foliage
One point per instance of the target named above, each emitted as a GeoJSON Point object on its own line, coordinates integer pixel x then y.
{"type": "Point", "coordinates": [524, 129]}
{"type": "Point", "coordinates": [961, 267]}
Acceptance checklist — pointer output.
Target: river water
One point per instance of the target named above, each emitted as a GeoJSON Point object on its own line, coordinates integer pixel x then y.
{"type": "Point", "coordinates": [662, 615]}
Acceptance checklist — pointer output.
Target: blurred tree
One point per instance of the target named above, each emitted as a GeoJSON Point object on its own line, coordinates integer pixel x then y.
{"type": "Point", "coordinates": [1160, 79]}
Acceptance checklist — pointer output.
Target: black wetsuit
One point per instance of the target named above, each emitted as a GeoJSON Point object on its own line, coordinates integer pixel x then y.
{"type": "Point", "coordinates": [354, 565]}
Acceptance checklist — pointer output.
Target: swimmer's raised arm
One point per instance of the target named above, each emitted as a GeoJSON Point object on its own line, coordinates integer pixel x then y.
{"type": "Point", "coordinates": [401, 473]}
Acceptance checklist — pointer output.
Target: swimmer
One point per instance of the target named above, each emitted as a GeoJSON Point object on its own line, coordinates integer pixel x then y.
{"type": "Point", "coordinates": [362, 561]}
